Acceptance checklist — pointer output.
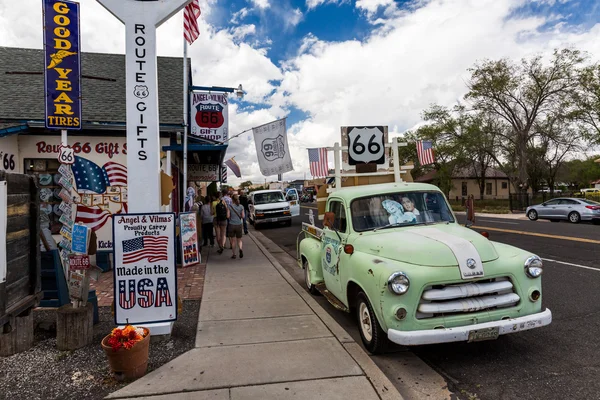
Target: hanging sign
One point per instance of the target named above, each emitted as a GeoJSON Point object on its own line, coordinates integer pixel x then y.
{"type": "Point", "coordinates": [272, 148]}
{"type": "Point", "coordinates": [210, 116]}
{"type": "Point", "coordinates": [189, 239]}
{"type": "Point", "coordinates": [145, 277]}
{"type": "Point", "coordinates": [62, 60]}
{"type": "Point", "coordinates": [66, 155]}
{"type": "Point", "coordinates": [80, 236]}
{"type": "Point", "coordinates": [203, 172]}
{"type": "Point", "coordinates": [79, 262]}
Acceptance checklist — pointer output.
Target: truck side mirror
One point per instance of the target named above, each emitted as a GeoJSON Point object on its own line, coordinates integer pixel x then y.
{"type": "Point", "coordinates": [328, 219]}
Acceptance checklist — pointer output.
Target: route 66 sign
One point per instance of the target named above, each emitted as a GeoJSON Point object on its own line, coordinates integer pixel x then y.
{"type": "Point", "coordinates": [366, 144]}
{"type": "Point", "coordinates": [209, 119]}
{"type": "Point", "coordinates": [273, 148]}
{"type": "Point", "coordinates": [66, 155]}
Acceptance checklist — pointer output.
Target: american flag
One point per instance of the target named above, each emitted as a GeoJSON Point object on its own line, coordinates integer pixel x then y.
{"type": "Point", "coordinates": [127, 302]}
{"type": "Point", "coordinates": [318, 162]}
{"type": "Point", "coordinates": [94, 217]}
{"type": "Point", "coordinates": [90, 176]}
{"type": "Point", "coordinates": [190, 21]}
{"type": "Point", "coordinates": [162, 293]}
{"type": "Point", "coordinates": [146, 296]}
{"type": "Point", "coordinates": [425, 152]}
{"type": "Point", "coordinates": [154, 248]}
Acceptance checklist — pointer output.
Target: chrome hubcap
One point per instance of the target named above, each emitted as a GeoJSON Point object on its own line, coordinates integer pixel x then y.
{"type": "Point", "coordinates": [574, 217]}
{"type": "Point", "coordinates": [365, 322]}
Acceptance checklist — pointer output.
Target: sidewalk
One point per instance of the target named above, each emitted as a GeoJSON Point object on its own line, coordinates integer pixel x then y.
{"type": "Point", "coordinates": [518, 216]}
{"type": "Point", "coordinates": [261, 337]}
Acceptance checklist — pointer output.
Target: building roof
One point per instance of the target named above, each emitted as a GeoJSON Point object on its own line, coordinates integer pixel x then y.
{"type": "Point", "coordinates": [102, 87]}
{"type": "Point", "coordinates": [469, 172]}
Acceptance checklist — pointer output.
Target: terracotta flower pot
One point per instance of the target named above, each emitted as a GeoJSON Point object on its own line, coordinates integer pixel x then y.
{"type": "Point", "coordinates": [128, 364]}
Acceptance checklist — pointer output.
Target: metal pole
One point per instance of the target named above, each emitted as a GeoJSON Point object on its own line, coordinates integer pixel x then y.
{"type": "Point", "coordinates": [337, 150]}
{"type": "Point", "coordinates": [185, 123]}
{"type": "Point", "coordinates": [63, 137]}
{"type": "Point", "coordinates": [396, 160]}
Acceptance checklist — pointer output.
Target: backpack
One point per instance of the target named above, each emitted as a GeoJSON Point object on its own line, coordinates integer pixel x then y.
{"type": "Point", "coordinates": [221, 211]}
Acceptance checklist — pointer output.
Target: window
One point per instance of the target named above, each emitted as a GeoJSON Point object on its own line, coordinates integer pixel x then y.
{"type": "Point", "coordinates": [488, 188]}
{"type": "Point", "coordinates": [554, 202]}
{"type": "Point", "coordinates": [464, 189]}
{"type": "Point", "coordinates": [268, 198]}
{"type": "Point", "coordinates": [504, 185]}
{"type": "Point", "coordinates": [339, 223]}
{"type": "Point", "coordinates": [569, 202]}
{"type": "Point", "coordinates": [399, 209]}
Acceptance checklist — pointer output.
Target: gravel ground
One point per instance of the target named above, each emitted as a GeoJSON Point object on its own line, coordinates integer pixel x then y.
{"type": "Point", "coordinates": [44, 372]}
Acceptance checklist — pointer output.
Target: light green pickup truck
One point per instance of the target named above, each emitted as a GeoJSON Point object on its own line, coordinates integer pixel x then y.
{"type": "Point", "coordinates": [395, 255]}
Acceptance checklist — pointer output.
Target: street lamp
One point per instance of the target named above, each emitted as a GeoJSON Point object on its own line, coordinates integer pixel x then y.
{"type": "Point", "coordinates": [239, 91]}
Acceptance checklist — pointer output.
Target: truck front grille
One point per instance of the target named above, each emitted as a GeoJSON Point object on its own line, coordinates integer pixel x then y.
{"type": "Point", "coordinates": [462, 298]}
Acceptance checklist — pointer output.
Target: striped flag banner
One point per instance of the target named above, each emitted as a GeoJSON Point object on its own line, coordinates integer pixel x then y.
{"type": "Point", "coordinates": [94, 217]}
{"type": "Point", "coordinates": [317, 159]}
{"type": "Point", "coordinates": [154, 248]}
{"type": "Point", "coordinates": [191, 13]}
{"type": "Point", "coordinates": [425, 152]}
{"type": "Point", "coordinates": [234, 167]}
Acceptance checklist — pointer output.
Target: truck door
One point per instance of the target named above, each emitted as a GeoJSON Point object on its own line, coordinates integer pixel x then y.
{"type": "Point", "coordinates": [292, 197]}
{"type": "Point", "coordinates": [332, 246]}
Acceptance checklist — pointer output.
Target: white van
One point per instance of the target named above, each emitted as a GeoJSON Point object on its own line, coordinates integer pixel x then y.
{"type": "Point", "coordinates": [292, 196]}
{"type": "Point", "coordinates": [268, 206]}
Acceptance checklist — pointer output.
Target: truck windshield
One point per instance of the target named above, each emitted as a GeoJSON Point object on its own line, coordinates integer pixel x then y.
{"type": "Point", "coordinates": [270, 197]}
{"type": "Point", "coordinates": [399, 209]}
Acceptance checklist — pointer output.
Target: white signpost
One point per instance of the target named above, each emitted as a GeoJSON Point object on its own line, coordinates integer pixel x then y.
{"type": "Point", "coordinates": [141, 18]}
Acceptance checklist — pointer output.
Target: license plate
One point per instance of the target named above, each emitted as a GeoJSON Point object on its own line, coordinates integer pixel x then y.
{"type": "Point", "coordinates": [484, 334]}
{"type": "Point", "coordinates": [272, 219]}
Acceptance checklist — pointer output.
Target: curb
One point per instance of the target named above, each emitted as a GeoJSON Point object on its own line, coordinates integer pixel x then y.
{"type": "Point", "coordinates": [382, 385]}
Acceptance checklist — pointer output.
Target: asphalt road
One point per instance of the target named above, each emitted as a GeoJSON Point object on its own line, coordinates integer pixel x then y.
{"type": "Point", "coordinates": [561, 361]}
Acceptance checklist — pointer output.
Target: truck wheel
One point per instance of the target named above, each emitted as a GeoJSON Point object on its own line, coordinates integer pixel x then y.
{"type": "Point", "coordinates": [373, 337]}
{"type": "Point", "coordinates": [311, 288]}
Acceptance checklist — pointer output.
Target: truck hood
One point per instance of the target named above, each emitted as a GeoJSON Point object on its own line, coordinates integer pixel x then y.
{"type": "Point", "coordinates": [427, 245]}
{"type": "Point", "coordinates": [271, 206]}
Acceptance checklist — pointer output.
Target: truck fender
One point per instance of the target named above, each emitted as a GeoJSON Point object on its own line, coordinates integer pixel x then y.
{"type": "Point", "coordinates": [310, 251]}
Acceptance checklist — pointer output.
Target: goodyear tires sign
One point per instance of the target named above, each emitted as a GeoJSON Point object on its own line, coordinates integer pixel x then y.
{"type": "Point", "coordinates": [62, 61]}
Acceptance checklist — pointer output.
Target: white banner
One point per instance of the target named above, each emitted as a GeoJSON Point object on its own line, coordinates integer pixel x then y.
{"type": "Point", "coordinates": [145, 276]}
{"type": "Point", "coordinates": [209, 116]}
{"type": "Point", "coordinates": [3, 222]}
{"type": "Point", "coordinates": [272, 148]}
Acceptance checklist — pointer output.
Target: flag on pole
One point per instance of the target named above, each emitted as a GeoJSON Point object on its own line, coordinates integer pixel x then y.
{"type": "Point", "coordinates": [234, 167]}
{"type": "Point", "coordinates": [318, 162]}
{"type": "Point", "coordinates": [190, 21]}
{"type": "Point", "coordinates": [425, 152]}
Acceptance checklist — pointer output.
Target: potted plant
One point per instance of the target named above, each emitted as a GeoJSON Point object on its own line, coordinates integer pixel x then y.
{"type": "Point", "coordinates": [127, 351]}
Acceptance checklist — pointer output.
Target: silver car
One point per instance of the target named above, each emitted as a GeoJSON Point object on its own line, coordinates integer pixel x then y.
{"type": "Point", "coordinates": [571, 209]}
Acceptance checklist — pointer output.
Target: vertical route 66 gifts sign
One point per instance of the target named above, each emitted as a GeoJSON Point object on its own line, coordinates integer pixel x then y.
{"type": "Point", "coordinates": [272, 148]}
{"type": "Point", "coordinates": [145, 277]}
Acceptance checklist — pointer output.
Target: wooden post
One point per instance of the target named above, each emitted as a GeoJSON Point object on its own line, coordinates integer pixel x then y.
{"type": "Point", "coordinates": [19, 335]}
{"type": "Point", "coordinates": [74, 326]}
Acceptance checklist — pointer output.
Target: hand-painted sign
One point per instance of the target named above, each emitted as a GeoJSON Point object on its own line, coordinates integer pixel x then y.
{"type": "Point", "coordinates": [62, 61]}
{"type": "Point", "coordinates": [145, 278]}
{"type": "Point", "coordinates": [189, 239]}
{"type": "Point", "coordinates": [203, 172]}
{"type": "Point", "coordinates": [9, 154]}
{"type": "Point", "coordinates": [210, 116]}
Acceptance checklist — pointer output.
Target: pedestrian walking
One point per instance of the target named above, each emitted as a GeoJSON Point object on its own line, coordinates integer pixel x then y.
{"type": "Point", "coordinates": [227, 199]}
{"type": "Point", "coordinates": [207, 217]}
{"type": "Point", "coordinates": [244, 203]}
{"type": "Point", "coordinates": [221, 223]}
{"type": "Point", "coordinates": [236, 216]}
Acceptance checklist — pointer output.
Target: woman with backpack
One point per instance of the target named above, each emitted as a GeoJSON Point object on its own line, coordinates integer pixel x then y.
{"type": "Point", "coordinates": [207, 218]}
{"type": "Point", "coordinates": [235, 212]}
{"type": "Point", "coordinates": [221, 223]}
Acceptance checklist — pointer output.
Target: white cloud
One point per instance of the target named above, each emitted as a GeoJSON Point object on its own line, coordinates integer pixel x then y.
{"type": "Point", "coordinates": [238, 16]}
{"type": "Point", "coordinates": [292, 17]}
{"type": "Point", "coordinates": [372, 6]}
{"type": "Point", "coordinates": [240, 32]}
{"type": "Point", "coordinates": [311, 4]}
{"type": "Point", "coordinates": [261, 3]}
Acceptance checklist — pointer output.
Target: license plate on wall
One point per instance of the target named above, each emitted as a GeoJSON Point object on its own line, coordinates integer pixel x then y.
{"type": "Point", "coordinates": [484, 334]}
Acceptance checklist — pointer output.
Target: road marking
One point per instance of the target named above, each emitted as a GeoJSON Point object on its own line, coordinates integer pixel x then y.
{"type": "Point", "coordinates": [499, 222]}
{"type": "Point", "coordinates": [574, 239]}
{"type": "Point", "coordinates": [571, 264]}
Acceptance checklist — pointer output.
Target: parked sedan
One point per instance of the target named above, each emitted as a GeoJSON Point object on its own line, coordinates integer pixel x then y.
{"type": "Point", "coordinates": [571, 209]}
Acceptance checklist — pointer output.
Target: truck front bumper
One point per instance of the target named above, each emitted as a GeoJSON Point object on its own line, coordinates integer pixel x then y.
{"type": "Point", "coordinates": [461, 333]}
{"type": "Point", "coordinates": [267, 220]}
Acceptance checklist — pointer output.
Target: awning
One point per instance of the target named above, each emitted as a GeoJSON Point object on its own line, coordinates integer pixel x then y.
{"type": "Point", "coordinates": [201, 153]}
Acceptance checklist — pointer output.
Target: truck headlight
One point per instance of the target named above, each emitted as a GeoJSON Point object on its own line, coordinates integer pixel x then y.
{"type": "Point", "coordinates": [398, 283]}
{"type": "Point", "coordinates": [534, 267]}
{"type": "Point", "coordinates": [286, 208]}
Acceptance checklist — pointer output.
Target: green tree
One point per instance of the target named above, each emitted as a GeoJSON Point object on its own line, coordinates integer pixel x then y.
{"type": "Point", "coordinates": [587, 100]}
{"type": "Point", "coordinates": [518, 96]}
{"type": "Point", "coordinates": [245, 184]}
{"type": "Point", "coordinates": [579, 173]}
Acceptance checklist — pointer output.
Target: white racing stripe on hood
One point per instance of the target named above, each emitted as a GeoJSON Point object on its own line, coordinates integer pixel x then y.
{"type": "Point", "coordinates": [463, 250]}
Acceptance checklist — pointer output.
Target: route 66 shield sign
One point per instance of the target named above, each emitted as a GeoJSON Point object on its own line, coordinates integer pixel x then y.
{"type": "Point", "coordinates": [366, 145]}
{"type": "Point", "coordinates": [66, 154]}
